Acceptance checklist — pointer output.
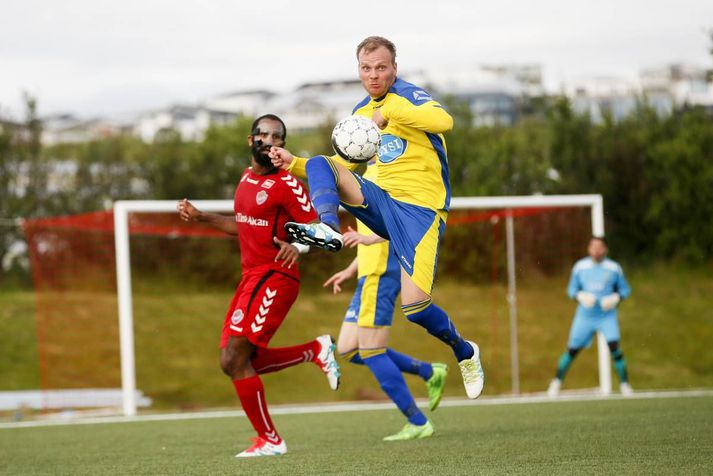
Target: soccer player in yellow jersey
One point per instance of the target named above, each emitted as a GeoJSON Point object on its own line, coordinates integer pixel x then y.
{"type": "Point", "coordinates": [409, 206]}
{"type": "Point", "coordinates": [364, 335]}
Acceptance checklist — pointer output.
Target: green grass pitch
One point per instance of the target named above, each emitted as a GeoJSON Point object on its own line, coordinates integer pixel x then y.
{"type": "Point", "coordinates": [611, 436]}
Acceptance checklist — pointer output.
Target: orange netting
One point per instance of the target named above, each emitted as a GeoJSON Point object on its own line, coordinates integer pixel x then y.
{"type": "Point", "coordinates": [73, 269]}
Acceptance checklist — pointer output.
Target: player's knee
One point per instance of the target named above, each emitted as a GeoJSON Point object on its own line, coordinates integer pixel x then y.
{"type": "Point", "coordinates": [229, 365]}
{"type": "Point", "coordinates": [318, 164]}
{"type": "Point", "coordinates": [573, 351]}
{"type": "Point", "coordinates": [235, 359]}
{"type": "Point", "coordinates": [344, 348]}
{"type": "Point", "coordinates": [421, 318]}
{"type": "Point", "coordinates": [615, 351]}
{"type": "Point", "coordinates": [347, 341]}
{"type": "Point", "coordinates": [235, 368]}
{"type": "Point", "coordinates": [226, 365]}
{"type": "Point", "coordinates": [351, 355]}
{"type": "Point", "coordinates": [413, 318]}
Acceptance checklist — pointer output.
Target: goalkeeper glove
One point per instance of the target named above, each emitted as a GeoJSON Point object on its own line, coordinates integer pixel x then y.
{"type": "Point", "coordinates": [610, 301]}
{"type": "Point", "coordinates": [586, 299]}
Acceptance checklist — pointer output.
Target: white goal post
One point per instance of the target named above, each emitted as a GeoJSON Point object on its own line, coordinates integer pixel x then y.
{"type": "Point", "coordinates": [123, 208]}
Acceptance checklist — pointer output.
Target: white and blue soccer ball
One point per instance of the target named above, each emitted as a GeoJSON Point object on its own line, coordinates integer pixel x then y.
{"type": "Point", "coordinates": [356, 139]}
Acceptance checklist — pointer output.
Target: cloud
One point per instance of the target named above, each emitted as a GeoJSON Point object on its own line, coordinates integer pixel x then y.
{"type": "Point", "coordinates": [93, 56]}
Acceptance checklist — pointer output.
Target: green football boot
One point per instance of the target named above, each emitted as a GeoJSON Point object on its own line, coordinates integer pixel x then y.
{"type": "Point", "coordinates": [412, 432]}
{"type": "Point", "coordinates": [436, 384]}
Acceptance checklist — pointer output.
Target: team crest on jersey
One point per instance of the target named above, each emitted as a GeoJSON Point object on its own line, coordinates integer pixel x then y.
{"type": "Point", "coordinates": [261, 197]}
{"type": "Point", "coordinates": [268, 184]}
{"type": "Point", "coordinates": [392, 148]}
{"type": "Point", "coordinates": [237, 317]}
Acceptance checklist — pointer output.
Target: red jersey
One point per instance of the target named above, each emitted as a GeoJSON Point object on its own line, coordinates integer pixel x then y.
{"type": "Point", "coordinates": [263, 204]}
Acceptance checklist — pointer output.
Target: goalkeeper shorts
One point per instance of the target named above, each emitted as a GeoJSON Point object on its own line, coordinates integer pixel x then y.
{"type": "Point", "coordinates": [584, 327]}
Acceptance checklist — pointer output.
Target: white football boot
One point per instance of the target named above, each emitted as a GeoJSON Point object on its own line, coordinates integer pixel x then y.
{"type": "Point", "coordinates": [472, 371]}
{"type": "Point", "coordinates": [315, 234]}
{"type": "Point", "coordinates": [327, 360]}
{"type": "Point", "coordinates": [626, 389]}
{"type": "Point", "coordinates": [262, 447]}
{"type": "Point", "coordinates": [554, 389]}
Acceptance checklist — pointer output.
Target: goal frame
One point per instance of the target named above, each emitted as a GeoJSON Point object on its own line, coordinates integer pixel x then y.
{"type": "Point", "coordinates": [123, 208]}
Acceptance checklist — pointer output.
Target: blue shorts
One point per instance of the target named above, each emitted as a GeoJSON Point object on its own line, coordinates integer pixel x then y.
{"type": "Point", "coordinates": [414, 231]}
{"type": "Point", "coordinates": [584, 328]}
{"type": "Point", "coordinates": [373, 302]}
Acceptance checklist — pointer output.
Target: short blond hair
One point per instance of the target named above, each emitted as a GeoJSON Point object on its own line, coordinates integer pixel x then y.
{"type": "Point", "coordinates": [371, 43]}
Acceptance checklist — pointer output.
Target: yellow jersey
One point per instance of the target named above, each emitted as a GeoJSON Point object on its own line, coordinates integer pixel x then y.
{"type": "Point", "coordinates": [412, 160]}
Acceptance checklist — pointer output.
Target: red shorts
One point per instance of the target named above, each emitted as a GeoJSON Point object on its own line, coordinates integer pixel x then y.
{"type": "Point", "coordinates": [259, 306]}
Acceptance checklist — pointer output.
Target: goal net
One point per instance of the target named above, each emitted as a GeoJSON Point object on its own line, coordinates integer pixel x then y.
{"type": "Point", "coordinates": [134, 299]}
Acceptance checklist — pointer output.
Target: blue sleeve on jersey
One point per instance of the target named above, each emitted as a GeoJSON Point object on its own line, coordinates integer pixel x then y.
{"type": "Point", "coordinates": [574, 286]}
{"type": "Point", "coordinates": [622, 285]}
{"type": "Point", "coordinates": [361, 104]}
{"type": "Point", "coordinates": [411, 92]}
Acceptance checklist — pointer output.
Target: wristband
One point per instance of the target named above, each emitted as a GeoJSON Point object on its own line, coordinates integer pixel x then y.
{"type": "Point", "coordinates": [302, 249]}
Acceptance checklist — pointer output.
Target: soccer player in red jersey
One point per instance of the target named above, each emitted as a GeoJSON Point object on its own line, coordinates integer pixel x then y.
{"type": "Point", "coordinates": [265, 199]}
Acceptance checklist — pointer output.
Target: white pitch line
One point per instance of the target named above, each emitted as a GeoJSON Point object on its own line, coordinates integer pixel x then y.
{"type": "Point", "coordinates": [371, 406]}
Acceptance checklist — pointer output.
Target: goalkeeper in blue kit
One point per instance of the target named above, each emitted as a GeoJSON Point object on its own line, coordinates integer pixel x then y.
{"type": "Point", "coordinates": [598, 285]}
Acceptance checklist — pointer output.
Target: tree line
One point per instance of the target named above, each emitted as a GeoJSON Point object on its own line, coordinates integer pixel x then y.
{"type": "Point", "coordinates": [655, 172]}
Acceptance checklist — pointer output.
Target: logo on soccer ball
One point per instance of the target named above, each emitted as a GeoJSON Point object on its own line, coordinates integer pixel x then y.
{"type": "Point", "coordinates": [356, 139]}
{"type": "Point", "coordinates": [237, 317]}
{"type": "Point", "coordinates": [261, 197]}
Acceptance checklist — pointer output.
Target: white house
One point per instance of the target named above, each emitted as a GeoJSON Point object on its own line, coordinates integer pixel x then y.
{"type": "Point", "coordinates": [682, 84]}
{"type": "Point", "coordinates": [191, 122]}
{"type": "Point", "coordinates": [314, 104]}
{"type": "Point", "coordinates": [69, 129]}
{"type": "Point", "coordinates": [665, 89]}
{"type": "Point", "coordinates": [601, 96]}
{"type": "Point", "coordinates": [492, 92]}
{"type": "Point", "coordinates": [247, 103]}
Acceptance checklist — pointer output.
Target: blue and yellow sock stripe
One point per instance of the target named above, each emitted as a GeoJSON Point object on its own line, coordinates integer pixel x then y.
{"type": "Point", "coordinates": [367, 353]}
{"type": "Point", "coordinates": [410, 309]}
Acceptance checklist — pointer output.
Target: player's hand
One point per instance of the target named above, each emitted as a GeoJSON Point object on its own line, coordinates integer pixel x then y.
{"type": "Point", "coordinates": [379, 120]}
{"type": "Point", "coordinates": [281, 158]}
{"type": "Point", "coordinates": [586, 299]}
{"type": "Point", "coordinates": [288, 253]}
{"type": "Point", "coordinates": [609, 301]}
{"type": "Point", "coordinates": [187, 211]}
{"type": "Point", "coordinates": [336, 281]}
{"type": "Point", "coordinates": [353, 238]}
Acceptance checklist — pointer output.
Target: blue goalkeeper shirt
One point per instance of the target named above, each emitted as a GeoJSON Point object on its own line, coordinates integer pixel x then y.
{"type": "Point", "coordinates": [600, 279]}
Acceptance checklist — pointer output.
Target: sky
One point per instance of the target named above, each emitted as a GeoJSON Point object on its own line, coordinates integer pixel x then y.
{"type": "Point", "coordinates": [98, 57]}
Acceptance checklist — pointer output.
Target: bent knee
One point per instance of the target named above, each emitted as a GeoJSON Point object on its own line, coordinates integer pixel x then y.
{"type": "Point", "coordinates": [344, 347]}
{"type": "Point", "coordinates": [352, 356]}
{"type": "Point", "coordinates": [316, 163]}
{"type": "Point", "coordinates": [235, 360]}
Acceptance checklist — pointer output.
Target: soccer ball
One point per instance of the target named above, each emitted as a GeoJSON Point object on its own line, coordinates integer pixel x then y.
{"type": "Point", "coordinates": [356, 139]}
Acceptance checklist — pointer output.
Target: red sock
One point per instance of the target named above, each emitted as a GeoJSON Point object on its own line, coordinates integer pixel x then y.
{"type": "Point", "coordinates": [268, 360]}
{"type": "Point", "coordinates": [252, 397]}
